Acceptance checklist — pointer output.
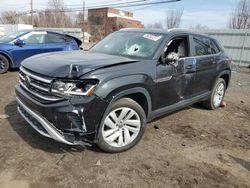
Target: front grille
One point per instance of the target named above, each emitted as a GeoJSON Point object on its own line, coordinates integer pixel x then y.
{"type": "Point", "coordinates": [36, 85]}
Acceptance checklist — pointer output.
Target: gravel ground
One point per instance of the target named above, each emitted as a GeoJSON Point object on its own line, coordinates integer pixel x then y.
{"type": "Point", "coordinates": [193, 147]}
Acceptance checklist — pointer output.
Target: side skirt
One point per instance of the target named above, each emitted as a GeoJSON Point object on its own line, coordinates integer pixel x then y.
{"type": "Point", "coordinates": [178, 106]}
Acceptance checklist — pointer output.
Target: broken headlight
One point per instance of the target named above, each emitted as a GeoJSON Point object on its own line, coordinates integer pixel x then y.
{"type": "Point", "coordinates": [75, 88]}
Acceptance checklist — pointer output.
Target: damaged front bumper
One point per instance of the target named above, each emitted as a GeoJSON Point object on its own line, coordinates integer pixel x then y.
{"type": "Point", "coordinates": [72, 122]}
{"type": "Point", "coordinates": [43, 126]}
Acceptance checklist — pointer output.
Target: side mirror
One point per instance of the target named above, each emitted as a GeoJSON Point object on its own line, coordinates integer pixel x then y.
{"type": "Point", "coordinates": [19, 42]}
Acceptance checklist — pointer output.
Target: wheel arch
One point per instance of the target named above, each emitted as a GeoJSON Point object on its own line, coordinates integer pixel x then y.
{"type": "Point", "coordinates": [132, 93]}
{"type": "Point", "coordinates": [8, 57]}
{"type": "Point", "coordinates": [225, 75]}
{"type": "Point", "coordinates": [138, 94]}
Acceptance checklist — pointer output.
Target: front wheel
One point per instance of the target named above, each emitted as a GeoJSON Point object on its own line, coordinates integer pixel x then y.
{"type": "Point", "coordinates": [123, 126]}
{"type": "Point", "coordinates": [4, 64]}
{"type": "Point", "coordinates": [217, 95]}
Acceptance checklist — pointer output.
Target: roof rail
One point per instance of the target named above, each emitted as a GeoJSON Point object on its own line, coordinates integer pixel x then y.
{"type": "Point", "coordinates": [177, 29]}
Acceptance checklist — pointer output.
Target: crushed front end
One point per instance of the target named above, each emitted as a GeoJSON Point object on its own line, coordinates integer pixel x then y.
{"type": "Point", "coordinates": [70, 119]}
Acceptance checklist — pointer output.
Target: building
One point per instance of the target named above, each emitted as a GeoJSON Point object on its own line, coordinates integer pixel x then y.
{"type": "Point", "coordinates": [103, 21]}
{"type": "Point", "coordinates": [11, 28]}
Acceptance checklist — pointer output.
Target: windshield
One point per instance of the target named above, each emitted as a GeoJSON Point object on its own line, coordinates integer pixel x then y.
{"type": "Point", "coordinates": [129, 44]}
{"type": "Point", "coordinates": [10, 37]}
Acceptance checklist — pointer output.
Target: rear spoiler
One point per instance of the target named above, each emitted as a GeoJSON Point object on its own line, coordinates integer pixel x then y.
{"type": "Point", "coordinates": [78, 41]}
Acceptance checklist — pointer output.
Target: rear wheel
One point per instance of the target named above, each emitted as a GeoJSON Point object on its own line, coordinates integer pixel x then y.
{"type": "Point", "coordinates": [4, 64]}
{"type": "Point", "coordinates": [123, 126]}
{"type": "Point", "coordinates": [217, 95]}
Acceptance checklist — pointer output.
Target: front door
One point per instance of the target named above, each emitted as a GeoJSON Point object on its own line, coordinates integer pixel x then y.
{"type": "Point", "coordinates": [174, 80]}
{"type": "Point", "coordinates": [33, 44]}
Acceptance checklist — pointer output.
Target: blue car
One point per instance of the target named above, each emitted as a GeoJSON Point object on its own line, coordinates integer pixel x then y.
{"type": "Point", "coordinates": [16, 47]}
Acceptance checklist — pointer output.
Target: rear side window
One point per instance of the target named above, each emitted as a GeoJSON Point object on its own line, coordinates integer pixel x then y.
{"type": "Point", "coordinates": [201, 46]}
{"type": "Point", "coordinates": [214, 48]}
{"type": "Point", "coordinates": [54, 38]}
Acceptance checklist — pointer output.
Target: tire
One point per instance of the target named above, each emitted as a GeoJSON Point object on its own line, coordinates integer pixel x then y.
{"type": "Point", "coordinates": [122, 126]}
{"type": "Point", "coordinates": [217, 95]}
{"type": "Point", "coordinates": [4, 64]}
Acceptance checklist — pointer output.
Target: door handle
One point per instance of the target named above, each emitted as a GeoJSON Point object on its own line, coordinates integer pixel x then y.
{"type": "Point", "coordinates": [189, 66]}
{"type": "Point", "coordinates": [214, 60]}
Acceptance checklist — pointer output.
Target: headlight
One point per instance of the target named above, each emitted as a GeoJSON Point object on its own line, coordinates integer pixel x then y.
{"type": "Point", "coordinates": [67, 88]}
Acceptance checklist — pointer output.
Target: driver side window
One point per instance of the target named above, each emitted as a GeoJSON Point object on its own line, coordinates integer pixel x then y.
{"type": "Point", "coordinates": [33, 38]}
{"type": "Point", "coordinates": [179, 46]}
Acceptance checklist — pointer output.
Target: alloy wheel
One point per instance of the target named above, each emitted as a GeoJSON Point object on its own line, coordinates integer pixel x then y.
{"type": "Point", "coordinates": [121, 127]}
{"type": "Point", "coordinates": [219, 94]}
{"type": "Point", "coordinates": [2, 64]}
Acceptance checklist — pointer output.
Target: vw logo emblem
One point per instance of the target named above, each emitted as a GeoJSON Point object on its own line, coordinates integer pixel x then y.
{"type": "Point", "coordinates": [27, 81]}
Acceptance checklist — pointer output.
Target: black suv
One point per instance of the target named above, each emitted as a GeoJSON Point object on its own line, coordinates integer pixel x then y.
{"type": "Point", "coordinates": [105, 96]}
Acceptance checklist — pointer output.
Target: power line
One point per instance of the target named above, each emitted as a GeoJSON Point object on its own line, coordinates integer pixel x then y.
{"type": "Point", "coordinates": [135, 3]}
{"type": "Point", "coordinates": [117, 6]}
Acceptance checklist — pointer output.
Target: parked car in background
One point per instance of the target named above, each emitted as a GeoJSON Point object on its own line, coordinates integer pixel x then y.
{"type": "Point", "coordinates": [16, 47]}
{"type": "Point", "coordinates": [132, 76]}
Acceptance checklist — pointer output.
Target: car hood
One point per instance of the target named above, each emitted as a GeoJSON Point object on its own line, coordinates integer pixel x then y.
{"type": "Point", "coordinates": [72, 64]}
{"type": "Point", "coordinates": [2, 43]}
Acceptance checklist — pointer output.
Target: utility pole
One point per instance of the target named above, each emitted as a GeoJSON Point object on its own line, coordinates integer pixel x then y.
{"type": "Point", "coordinates": [83, 21]}
{"type": "Point", "coordinates": [31, 11]}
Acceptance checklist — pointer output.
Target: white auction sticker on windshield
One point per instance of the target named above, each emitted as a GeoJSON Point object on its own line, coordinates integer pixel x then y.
{"type": "Point", "coordinates": [152, 37]}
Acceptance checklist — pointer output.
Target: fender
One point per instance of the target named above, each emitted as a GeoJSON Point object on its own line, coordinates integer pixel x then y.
{"type": "Point", "coordinates": [117, 84]}
{"type": "Point", "coordinates": [121, 86]}
{"type": "Point", "coordinates": [8, 56]}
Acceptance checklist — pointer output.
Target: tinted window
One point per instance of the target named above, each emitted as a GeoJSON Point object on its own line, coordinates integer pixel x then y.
{"type": "Point", "coordinates": [214, 47]}
{"type": "Point", "coordinates": [201, 46]}
{"type": "Point", "coordinates": [54, 38]}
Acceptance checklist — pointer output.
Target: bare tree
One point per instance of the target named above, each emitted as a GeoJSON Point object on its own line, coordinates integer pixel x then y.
{"type": "Point", "coordinates": [9, 17]}
{"type": "Point", "coordinates": [240, 16]}
{"type": "Point", "coordinates": [53, 16]}
{"type": "Point", "coordinates": [173, 18]}
{"type": "Point", "coordinates": [157, 25]}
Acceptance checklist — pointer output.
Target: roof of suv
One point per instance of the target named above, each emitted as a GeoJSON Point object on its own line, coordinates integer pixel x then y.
{"type": "Point", "coordinates": [162, 31]}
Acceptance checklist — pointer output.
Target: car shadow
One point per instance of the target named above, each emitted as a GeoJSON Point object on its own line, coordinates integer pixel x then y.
{"type": "Point", "coordinates": [13, 70]}
{"type": "Point", "coordinates": [33, 138]}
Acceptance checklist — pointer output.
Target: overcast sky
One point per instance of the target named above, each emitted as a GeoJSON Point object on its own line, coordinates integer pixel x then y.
{"type": "Point", "coordinates": [213, 13]}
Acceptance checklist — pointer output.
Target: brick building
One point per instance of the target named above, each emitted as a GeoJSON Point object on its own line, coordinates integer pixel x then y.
{"type": "Point", "coordinates": [103, 21]}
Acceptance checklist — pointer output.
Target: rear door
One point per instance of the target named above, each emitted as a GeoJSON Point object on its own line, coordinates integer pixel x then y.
{"type": "Point", "coordinates": [206, 63]}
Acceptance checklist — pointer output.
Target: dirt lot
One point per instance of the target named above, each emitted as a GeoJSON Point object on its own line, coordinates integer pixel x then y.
{"type": "Point", "coordinates": [190, 148]}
